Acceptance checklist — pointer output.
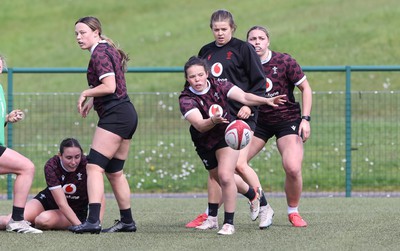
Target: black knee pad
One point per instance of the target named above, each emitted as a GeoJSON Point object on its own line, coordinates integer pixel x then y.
{"type": "Point", "coordinates": [115, 165]}
{"type": "Point", "coordinates": [97, 158]}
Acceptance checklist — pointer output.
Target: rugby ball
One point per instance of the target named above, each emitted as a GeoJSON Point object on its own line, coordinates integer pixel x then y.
{"type": "Point", "coordinates": [238, 134]}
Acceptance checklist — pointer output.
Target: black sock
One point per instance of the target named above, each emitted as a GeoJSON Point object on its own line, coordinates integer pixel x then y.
{"type": "Point", "coordinates": [17, 213]}
{"type": "Point", "coordinates": [263, 200]}
{"type": "Point", "coordinates": [251, 194]}
{"type": "Point", "coordinates": [94, 212]}
{"type": "Point", "coordinates": [213, 209]}
{"type": "Point", "coordinates": [126, 215]}
{"type": "Point", "coordinates": [229, 218]}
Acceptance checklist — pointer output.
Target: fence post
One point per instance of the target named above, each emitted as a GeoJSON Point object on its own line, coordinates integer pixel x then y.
{"type": "Point", "coordinates": [10, 104]}
{"type": "Point", "coordinates": [348, 131]}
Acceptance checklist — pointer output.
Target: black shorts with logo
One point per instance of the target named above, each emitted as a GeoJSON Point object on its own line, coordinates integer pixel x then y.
{"type": "Point", "coordinates": [265, 131]}
{"type": "Point", "coordinates": [46, 199]}
{"type": "Point", "coordinates": [208, 157]}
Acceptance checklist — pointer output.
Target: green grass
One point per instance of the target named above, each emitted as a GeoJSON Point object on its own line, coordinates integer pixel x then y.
{"type": "Point", "coordinates": [334, 224]}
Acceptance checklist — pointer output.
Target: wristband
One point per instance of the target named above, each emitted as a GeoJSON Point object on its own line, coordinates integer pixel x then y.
{"type": "Point", "coordinates": [308, 118]}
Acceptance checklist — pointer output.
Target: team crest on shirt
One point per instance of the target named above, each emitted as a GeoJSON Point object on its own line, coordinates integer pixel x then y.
{"type": "Point", "coordinates": [275, 70]}
{"type": "Point", "coordinates": [217, 69]}
{"type": "Point", "coordinates": [229, 55]}
{"type": "Point", "coordinates": [69, 188]}
{"type": "Point", "coordinates": [268, 85]}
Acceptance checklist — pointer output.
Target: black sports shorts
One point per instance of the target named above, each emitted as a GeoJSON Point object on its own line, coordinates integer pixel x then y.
{"type": "Point", "coordinates": [208, 157]}
{"type": "Point", "coordinates": [251, 121]}
{"type": "Point", "coordinates": [46, 199]}
{"type": "Point", "coordinates": [121, 119]}
{"type": "Point", "coordinates": [265, 132]}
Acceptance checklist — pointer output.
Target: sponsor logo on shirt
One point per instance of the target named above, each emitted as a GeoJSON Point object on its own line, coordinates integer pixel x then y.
{"type": "Point", "coordinates": [217, 69]}
{"type": "Point", "coordinates": [268, 85]}
{"type": "Point", "coordinates": [69, 188]}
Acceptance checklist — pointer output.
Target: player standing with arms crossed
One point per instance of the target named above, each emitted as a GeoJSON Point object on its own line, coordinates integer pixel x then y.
{"type": "Point", "coordinates": [290, 127]}
{"type": "Point", "coordinates": [235, 61]}
{"type": "Point", "coordinates": [200, 94]}
{"type": "Point", "coordinates": [12, 162]}
{"type": "Point", "coordinates": [117, 123]}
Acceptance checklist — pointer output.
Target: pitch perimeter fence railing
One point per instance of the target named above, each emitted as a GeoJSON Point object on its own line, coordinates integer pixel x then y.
{"type": "Point", "coordinates": [353, 150]}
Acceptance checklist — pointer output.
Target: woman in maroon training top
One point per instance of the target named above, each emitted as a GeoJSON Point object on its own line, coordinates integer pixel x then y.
{"type": "Point", "coordinates": [117, 123]}
{"type": "Point", "coordinates": [198, 97]}
{"type": "Point", "coordinates": [64, 201]}
{"type": "Point", "coordinates": [289, 123]}
{"type": "Point", "coordinates": [235, 61]}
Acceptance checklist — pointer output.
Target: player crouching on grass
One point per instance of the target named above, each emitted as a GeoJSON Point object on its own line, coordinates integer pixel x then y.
{"type": "Point", "coordinates": [208, 134]}
{"type": "Point", "coordinates": [64, 202]}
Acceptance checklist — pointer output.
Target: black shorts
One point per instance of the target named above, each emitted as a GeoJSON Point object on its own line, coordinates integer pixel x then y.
{"type": "Point", "coordinates": [2, 149]}
{"type": "Point", "coordinates": [121, 119]}
{"type": "Point", "coordinates": [46, 199]}
{"type": "Point", "coordinates": [265, 132]}
{"type": "Point", "coordinates": [252, 122]}
{"type": "Point", "coordinates": [208, 157]}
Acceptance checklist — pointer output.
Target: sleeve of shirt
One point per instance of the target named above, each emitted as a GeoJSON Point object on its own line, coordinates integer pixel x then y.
{"type": "Point", "coordinates": [187, 105]}
{"type": "Point", "coordinates": [254, 68]}
{"type": "Point", "coordinates": [294, 72]}
{"type": "Point", "coordinates": [50, 173]}
{"type": "Point", "coordinates": [200, 54]}
{"type": "Point", "coordinates": [231, 89]}
{"type": "Point", "coordinates": [102, 64]}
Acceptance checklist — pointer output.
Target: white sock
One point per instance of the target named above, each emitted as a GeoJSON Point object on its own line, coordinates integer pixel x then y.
{"type": "Point", "coordinates": [292, 210]}
{"type": "Point", "coordinates": [206, 212]}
